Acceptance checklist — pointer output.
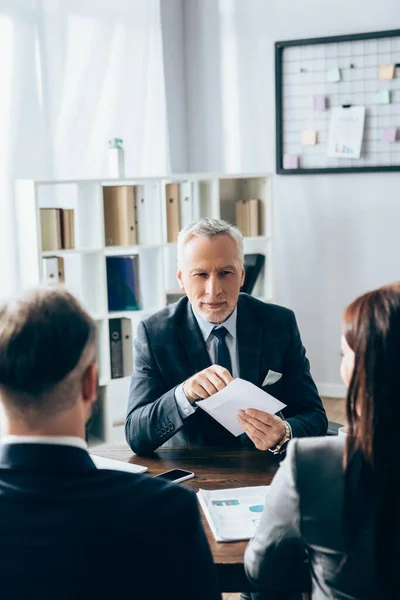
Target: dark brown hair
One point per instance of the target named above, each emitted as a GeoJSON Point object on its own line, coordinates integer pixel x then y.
{"type": "Point", "coordinates": [43, 336]}
{"type": "Point", "coordinates": [371, 326]}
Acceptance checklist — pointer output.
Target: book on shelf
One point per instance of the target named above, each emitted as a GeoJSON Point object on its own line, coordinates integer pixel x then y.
{"type": "Point", "coordinates": [120, 221]}
{"type": "Point", "coordinates": [186, 204]}
{"type": "Point", "coordinates": [233, 514]}
{"type": "Point", "coordinates": [57, 229]}
{"type": "Point", "coordinates": [172, 208]}
{"type": "Point", "coordinates": [123, 287]}
{"type": "Point", "coordinates": [121, 347]}
{"type": "Point", "coordinates": [248, 217]}
{"type": "Point", "coordinates": [50, 227]}
{"type": "Point", "coordinates": [53, 269]}
{"type": "Point", "coordinates": [67, 229]}
{"type": "Point", "coordinates": [253, 263]}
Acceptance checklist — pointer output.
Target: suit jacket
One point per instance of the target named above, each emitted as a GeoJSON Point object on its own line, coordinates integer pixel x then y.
{"type": "Point", "coordinates": [169, 348]}
{"type": "Point", "coordinates": [71, 531]}
{"type": "Point", "coordinates": [304, 512]}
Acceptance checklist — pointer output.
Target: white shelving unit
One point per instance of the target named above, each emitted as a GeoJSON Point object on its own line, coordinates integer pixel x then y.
{"type": "Point", "coordinates": [201, 195]}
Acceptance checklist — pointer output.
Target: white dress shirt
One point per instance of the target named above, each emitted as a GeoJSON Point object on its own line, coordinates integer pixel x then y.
{"type": "Point", "coordinates": [185, 408]}
{"type": "Point", "coordinates": [56, 440]}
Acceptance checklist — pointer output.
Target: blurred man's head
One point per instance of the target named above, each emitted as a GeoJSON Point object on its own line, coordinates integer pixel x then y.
{"type": "Point", "coordinates": [48, 371]}
{"type": "Point", "coordinates": [210, 267]}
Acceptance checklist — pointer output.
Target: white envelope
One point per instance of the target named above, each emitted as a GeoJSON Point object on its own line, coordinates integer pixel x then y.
{"type": "Point", "coordinates": [238, 395]}
{"type": "Point", "coordinates": [271, 377]}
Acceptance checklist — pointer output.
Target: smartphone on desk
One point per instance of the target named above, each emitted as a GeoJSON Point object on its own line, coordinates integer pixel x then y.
{"type": "Point", "coordinates": [176, 475]}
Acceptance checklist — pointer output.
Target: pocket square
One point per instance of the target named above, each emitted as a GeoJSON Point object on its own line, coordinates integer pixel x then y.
{"type": "Point", "coordinates": [272, 377]}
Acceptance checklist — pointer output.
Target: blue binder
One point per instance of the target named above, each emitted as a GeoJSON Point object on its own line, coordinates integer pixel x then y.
{"type": "Point", "coordinates": [122, 283]}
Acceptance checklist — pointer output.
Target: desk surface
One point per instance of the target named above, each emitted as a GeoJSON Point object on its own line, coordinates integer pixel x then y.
{"type": "Point", "coordinates": [214, 468]}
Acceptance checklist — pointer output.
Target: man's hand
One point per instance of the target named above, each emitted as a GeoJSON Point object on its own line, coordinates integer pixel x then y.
{"type": "Point", "coordinates": [264, 430]}
{"type": "Point", "coordinates": [206, 383]}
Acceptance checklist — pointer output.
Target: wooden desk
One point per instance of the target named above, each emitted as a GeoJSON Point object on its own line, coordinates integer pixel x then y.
{"type": "Point", "coordinates": [214, 468]}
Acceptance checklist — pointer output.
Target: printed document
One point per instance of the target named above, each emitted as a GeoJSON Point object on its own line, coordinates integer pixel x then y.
{"type": "Point", "coordinates": [233, 514]}
{"type": "Point", "coordinates": [346, 129]}
{"type": "Point", "coordinates": [238, 395]}
{"type": "Point", "coordinates": [116, 465]}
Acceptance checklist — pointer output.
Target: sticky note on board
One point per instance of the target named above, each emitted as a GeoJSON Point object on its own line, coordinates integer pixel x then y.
{"type": "Point", "coordinates": [386, 71]}
{"type": "Point", "coordinates": [389, 134]}
{"type": "Point", "coordinates": [383, 97]}
{"type": "Point", "coordinates": [290, 161]}
{"type": "Point", "coordinates": [333, 75]}
{"type": "Point", "coordinates": [319, 103]}
{"type": "Point", "coordinates": [309, 137]}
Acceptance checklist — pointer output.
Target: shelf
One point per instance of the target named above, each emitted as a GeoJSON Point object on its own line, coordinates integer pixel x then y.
{"type": "Point", "coordinates": [72, 252]}
{"type": "Point", "coordinates": [257, 238]}
{"type": "Point", "coordinates": [98, 316]}
{"type": "Point", "coordinates": [120, 314]}
{"type": "Point", "coordinates": [123, 250]}
{"type": "Point", "coordinates": [212, 195]}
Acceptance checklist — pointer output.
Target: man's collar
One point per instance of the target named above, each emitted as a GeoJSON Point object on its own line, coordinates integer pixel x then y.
{"type": "Point", "coordinates": [206, 327]}
{"type": "Point", "coordinates": [56, 440]}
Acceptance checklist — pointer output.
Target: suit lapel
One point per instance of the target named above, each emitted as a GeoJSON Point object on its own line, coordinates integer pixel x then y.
{"type": "Point", "coordinates": [249, 336]}
{"type": "Point", "coordinates": [193, 341]}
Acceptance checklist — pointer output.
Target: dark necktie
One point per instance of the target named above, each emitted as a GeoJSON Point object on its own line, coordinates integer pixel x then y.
{"type": "Point", "coordinates": [223, 356]}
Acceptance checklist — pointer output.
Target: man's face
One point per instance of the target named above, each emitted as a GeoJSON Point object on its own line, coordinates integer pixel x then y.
{"type": "Point", "coordinates": [211, 275]}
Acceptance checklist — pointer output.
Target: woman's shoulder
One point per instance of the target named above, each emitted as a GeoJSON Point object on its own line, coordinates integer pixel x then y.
{"type": "Point", "coordinates": [317, 462]}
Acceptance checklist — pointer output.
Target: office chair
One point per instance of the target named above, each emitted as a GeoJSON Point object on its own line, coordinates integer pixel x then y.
{"type": "Point", "coordinates": [333, 428]}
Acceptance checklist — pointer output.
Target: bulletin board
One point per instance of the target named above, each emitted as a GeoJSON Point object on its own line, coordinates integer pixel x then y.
{"type": "Point", "coordinates": [321, 77]}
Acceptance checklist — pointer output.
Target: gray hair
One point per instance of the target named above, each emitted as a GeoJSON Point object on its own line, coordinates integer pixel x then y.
{"type": "Point", "coordinates": [210, 228]}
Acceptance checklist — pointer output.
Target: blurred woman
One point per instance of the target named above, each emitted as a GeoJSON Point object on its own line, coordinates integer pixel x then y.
{"type": "Point", "coordinates": [332, 512]}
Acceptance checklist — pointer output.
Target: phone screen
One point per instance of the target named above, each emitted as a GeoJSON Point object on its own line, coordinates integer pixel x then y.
{"type": "Point", "coordinates": [174, 474]}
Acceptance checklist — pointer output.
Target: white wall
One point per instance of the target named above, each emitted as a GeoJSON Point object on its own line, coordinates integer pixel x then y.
{"type": "Point", "coordinates": [336, 235]}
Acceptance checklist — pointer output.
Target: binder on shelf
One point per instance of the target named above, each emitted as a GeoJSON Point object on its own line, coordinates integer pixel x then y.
{"type": "Point", "coordinates": [53, 269]}
{"type": "Point", "coordinates": [121, 353]}
{"type": "Point", "coordinates": [172, 208]}
{"type": "Point", "coordinates": [123, 287]}
{"type": "Point", "coordinates": [254, 210]}
{"type": "Point", "coordinates": [141, 202]}
{"type": "Point", "coordinates": [186, 204]}
{"type": "Point", "coordinates": [253, 263]}
{"type": "Point", "coordinates": [50, 225]}
{"type": "Point", "coordinates": [248, 217]}
{"type": "Point", "coordinates": [120, 224]}
{"type": "Point", "coordinates": [67, 229]}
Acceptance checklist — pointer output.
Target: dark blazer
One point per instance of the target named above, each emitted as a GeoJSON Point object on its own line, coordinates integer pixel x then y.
{"type": "Point", "coordinates": [304, 512]}
{"type": "Point", "coordinates": [69, 531]}
{"type": "Point", "coordinates": [169, 348]}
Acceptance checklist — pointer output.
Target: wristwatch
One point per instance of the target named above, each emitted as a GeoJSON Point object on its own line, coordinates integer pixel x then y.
{"type": "Point", "coordinates": [286, 437]}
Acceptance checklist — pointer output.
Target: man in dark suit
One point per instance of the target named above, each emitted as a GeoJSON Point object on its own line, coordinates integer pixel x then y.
{"type": "Point", "coordinates": [192, 349]}
{"type": "Point", "coordinates": [68, 530]}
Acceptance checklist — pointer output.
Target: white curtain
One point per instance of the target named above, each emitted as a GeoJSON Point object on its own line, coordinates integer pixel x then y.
{"type": "Point", "coordinates": [75, 74]}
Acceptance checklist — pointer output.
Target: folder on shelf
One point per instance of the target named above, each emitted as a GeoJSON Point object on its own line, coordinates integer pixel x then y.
{"type": "Point", "coordinates": [121, 352]}
{"type": "Point", "coordinates": [53, 269]}
{"type": "Point", "coordinates": [141, 202]}
{"type": "Point", "coordinates": [50, 225]}
{"type": "Point", "coordinates": [253, 263]}
{"type": "Point", "coordinates": [254, 222]}
{"type": "Point", "coordinates": [120, 215]}
{"type": "Point", "coordinates": [67, 229]}
{"type": "Point", "coordinates": [123, 282]}
{"type": "Point", "coordinates": [186, 204]}
{"type": "Point", "coordinates": [172, 208]}
{"type": "Point", "coordinates": [240, 217]}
